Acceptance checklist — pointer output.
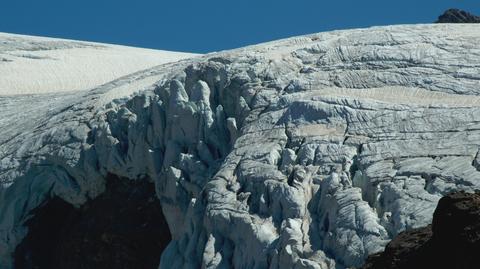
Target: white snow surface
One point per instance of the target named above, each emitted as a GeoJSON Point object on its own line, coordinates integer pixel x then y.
{"type": "Point", "coordinates": [32, 65]}
{"type": "Point", "coordinates": [309, 152]}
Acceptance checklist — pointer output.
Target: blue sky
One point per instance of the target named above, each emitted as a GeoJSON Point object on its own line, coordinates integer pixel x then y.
{"type": "Point", "coordinates": [209, 25]}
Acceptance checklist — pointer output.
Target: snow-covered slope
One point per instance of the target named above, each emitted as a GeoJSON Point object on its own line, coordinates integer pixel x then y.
{"type": "Point", "coordinates": [31, 64]}
{"type": "Point", "coordinates": [308, 152]}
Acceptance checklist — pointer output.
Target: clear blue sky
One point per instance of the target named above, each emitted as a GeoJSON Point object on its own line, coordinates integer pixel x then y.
{"type": "Point", "coordinates": [209, 25]}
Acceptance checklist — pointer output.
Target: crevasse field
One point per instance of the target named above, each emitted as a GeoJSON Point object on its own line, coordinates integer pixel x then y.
{"type": "Point", "coordinates": [308, 152]}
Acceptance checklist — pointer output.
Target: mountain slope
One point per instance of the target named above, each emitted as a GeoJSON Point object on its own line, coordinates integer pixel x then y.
{"type": "Point", "coordinates": [308, 152]}
{"type": "Point", "coordinates": [32, 65]}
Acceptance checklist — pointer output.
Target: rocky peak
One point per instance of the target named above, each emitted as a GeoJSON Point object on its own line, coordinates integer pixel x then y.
{"type": "Point", "coordinates": [454, 15]}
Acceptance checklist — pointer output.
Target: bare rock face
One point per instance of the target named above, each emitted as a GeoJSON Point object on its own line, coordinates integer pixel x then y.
{"type": "Point", "coordinates": [457, 16]}
{"type": "Point", "coordinates": [309, 152]}
{"type": "Point", "coordinates": [452, 241]}
{"type": "Point", "coordinates": [457, 217]}
{"type": "Point", "coordinates": [122, 228]}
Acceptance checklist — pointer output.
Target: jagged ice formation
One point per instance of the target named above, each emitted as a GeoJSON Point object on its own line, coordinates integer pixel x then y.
{"type": "Point", "coordinates": [308, 152]}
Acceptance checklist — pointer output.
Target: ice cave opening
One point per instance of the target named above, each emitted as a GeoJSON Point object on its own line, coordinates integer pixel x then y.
{"type": "Point", "coordinates": [122, 228]}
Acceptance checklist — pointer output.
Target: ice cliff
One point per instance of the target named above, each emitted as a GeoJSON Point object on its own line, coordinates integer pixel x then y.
{"type": "Point", "coordinates": [309, 152]}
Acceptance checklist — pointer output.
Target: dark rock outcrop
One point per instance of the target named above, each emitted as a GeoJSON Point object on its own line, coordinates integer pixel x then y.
{"type": "Point", "coordinates": [457, 16]}
{"type": "Point", "coordinates": [452, 241]}
{"type": "Point", "coordinates": [122, 228]}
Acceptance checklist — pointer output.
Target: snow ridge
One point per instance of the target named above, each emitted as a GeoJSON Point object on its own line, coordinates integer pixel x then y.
{"type": "Point", "coordinates": [59, 65]}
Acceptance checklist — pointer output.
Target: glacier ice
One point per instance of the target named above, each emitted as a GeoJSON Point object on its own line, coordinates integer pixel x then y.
{"type": "Point", "coordinates": [308, 152]}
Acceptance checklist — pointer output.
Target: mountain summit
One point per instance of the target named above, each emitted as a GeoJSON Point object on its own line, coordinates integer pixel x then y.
{"type": "Point", "coordinates": [454, 15]}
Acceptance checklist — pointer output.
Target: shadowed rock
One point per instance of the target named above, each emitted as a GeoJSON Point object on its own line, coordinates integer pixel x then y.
{"type": "Point", "coordinates": [122, 228]}
{"type": "Point", "coordinates": [452, 241]}
{"type": "Point", "coordinates": [457, 16]}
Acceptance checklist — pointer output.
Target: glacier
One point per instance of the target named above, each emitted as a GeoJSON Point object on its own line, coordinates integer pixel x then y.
{"type": "Point", "coordinates": [308, 152]}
